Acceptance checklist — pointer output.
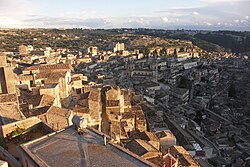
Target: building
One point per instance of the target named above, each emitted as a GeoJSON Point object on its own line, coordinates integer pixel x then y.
{"type": "Point", "coordinates": [68, 148]}
{"type": "Point", "coordinates": [93, 50]}
{"type": "Point", "coordinates": [122, 117]}
{"type": "Point", "coordinates": [119, 47]}
{"type": "Point", "coordinates": [16, 133]}
{"type": "Point", "coordinates": [144, 149]}
{"type": "Point", "coordinates": [23, 50]}
{"type": "Point", "coordinates": [50, 80]}
{"type": "Point", "coordinates": [167, 139]}
{"type": "Point", "coordinates": [177, 156]}
{"type": "Point", "coordinates": [9, 109]}
{"type": "Point", "coordinates": [48, 68]}
{"type": "Point", "coordinates": [8, 80]}
{"type": "Point", "coordinates": [57, 118]}
{"type": "Point", "coordinates": [3, 60]}
{"type": "Point", "coordinates": [180, 93]}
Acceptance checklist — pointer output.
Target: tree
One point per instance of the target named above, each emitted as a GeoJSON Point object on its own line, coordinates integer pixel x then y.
{"type": "Point", "coordinates": [232, 91]}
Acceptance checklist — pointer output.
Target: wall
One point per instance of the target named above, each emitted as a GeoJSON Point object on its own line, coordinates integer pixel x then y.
{"type": "Point", "coordinates": [11, 80]}
{"type": "Point", "coordinates": [3, 88]}
{"type": "Point", "coordinates": [54, 92]}
{"type": "Point", "coordinates": [3, 61]}
{"type": "Point", "coordinates": [6, 156]}
{"type": "Point", "coordinates": [25, 124]}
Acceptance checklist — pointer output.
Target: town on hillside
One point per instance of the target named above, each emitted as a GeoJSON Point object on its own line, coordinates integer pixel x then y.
{"type": "Point", "coordinates": [122, 97]}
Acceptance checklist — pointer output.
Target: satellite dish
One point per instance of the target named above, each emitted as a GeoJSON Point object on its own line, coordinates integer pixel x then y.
{"type": "Point", "coordinates": [79, 123]}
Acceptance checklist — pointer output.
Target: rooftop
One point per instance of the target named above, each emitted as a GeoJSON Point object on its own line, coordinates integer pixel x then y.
{"type": "Point", "coordinates": [49, 67]}
{"type": "Point", "coordinates": [57, 118]}
{"type": "Point", "coordinates": [9, 113]}
{"type": "Point", "coordinates": [184, 157]}
{"type": "Point", "coordinates": [8, 98]}
{"type": "Point", "coordinates": [67, 148]}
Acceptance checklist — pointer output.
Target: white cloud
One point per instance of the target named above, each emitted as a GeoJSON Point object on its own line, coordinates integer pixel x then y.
{"type": "Point", "coordinates": [9, 22]}
{"type": "Point", "coordinates": [195, 13]}
{"type": "Point", "coordinates": [165, 19]}
{"type": "Point", "coordinates": [207, 23]}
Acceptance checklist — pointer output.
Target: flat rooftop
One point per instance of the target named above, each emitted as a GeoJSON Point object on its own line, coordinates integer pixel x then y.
{"type": "Point", "coordinates": [68, 148]}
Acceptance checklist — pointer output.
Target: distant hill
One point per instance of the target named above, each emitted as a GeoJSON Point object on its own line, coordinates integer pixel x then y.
{"type": "Point", "coordinates": [235, 41]}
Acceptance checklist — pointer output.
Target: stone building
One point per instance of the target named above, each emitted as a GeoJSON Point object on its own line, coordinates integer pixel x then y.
{"type": "Point", "coordinates": [124, 119]}
{"type": "Point", "coordinates": [49, 79]}
{"type": "Point", "coordinates": [8, 80]}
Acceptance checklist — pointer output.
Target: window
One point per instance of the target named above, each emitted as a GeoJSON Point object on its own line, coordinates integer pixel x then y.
{"type": "Point", "coordinates": [78, 91]}
{"type": "Point", "coordinates": [42, 81]}
{"type": "Point", "coordinates": [31, 82]}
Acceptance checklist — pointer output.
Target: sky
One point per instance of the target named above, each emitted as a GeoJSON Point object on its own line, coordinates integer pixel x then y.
{"type": "Point", "coordinates": [158, 14]}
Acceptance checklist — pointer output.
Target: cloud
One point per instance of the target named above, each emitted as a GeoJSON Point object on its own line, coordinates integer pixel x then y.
{"type": "Point", "coordinates": [214, 14]}
{"type": "Point", "coordinates": [165, 19]}
{"type": "Point", "coordinates": [195, 13]}
{"type": "Point", "coordinates": [16, 8]}
{"type": "Point", "coordinates": [211, 14]}
{"type": "Point", "coordinates": [9, 22]}
{"type": "Point", "coordinates": [51, 22]}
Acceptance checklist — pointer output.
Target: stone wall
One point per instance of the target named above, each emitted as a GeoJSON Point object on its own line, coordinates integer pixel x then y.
{"type": "Point", "coordinates": [24, 124]}
{"type": "Point", "coordinates": [6, 156]}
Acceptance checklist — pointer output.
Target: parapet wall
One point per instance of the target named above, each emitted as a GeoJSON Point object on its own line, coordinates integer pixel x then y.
{"type": "Point", "coordinates": [24, 124]}
{"type": "Point", "coordinates": [6, 156]}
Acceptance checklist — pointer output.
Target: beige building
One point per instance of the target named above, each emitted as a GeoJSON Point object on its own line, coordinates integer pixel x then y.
{"type": "Point", "coordinates": [3, 60]}
{"type": "Point", "coordinates": [167, 139]}
{"type": "Point", "coordinates": [177, 156]}
{"type": "Point", "coordinates": [119, 47]}
{"type": "Point", "coordinates": [124, 118]}
{"type": "Point", "coordinates": [93, 50]}
{"type": "Point", "coordinates": [45, 78]}
{"type": "Point", "coordinates": [8, 80]}
{"type": "Point", "coordinates": [57, 118]}
{"type": "Point", "coordinates": [23, 50]}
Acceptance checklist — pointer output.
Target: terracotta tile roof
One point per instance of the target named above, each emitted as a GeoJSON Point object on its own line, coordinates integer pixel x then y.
{"type": "Point", "coordinates": [49, 67]}
{"type": "Point", "coordinates": [51, 76]}
{"type": "Point", "coordinates": [118, 127]}
{"type": "Point", "coordinates": [46, 100]}
{"type": "Point", "coordinates": [10, 113]}
{"type": "Point", "coordinates": [147, 136]}
{"type": "Point", "coordinates": [156, 160]}
{"type": "Point", "coordinates": [140, 147]}
{"type": "Point", "coordinates": [76, 78]}
{"type": "Point", "coordinates": [80, 109]}
{"type": "Point", "coordinates": [127, 115]}
{"type": "Point", "coordinates": [62, 112]}
{"type": "Point", "coordinates": [5, 98]}
{"type": "Point", "coordinates": [184, 157]}
{"type": "Point", "coordinates": [137, 110]}
{"type": "Point", "coordinates": [36, 100]}
{"type": "Point", "coordinates": [163, 134]}
{"type": "Point", "coordinates": [84, 96]}
{"type": "Point", "coordinates": [56, 117]}
{"type": "Point", "coordinates": [39, 111]}
{"type": "Point", "coordinates": [25, 77]}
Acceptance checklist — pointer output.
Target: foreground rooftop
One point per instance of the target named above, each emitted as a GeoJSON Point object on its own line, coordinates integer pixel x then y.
{"type": "Point", "coordinates": [68, 148]}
